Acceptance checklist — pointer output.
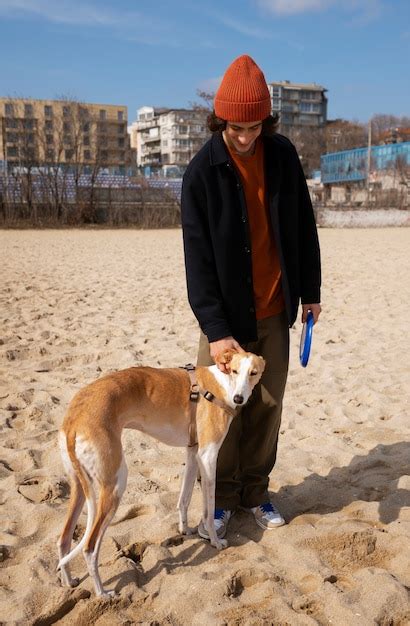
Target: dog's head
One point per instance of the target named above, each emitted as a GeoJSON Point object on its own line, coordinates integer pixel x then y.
{"type": "Point", "coordinates": [244, 370]}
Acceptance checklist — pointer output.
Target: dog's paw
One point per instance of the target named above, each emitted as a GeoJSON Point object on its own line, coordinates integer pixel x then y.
{"type": "Point", "coordinates": [107, 593]}
{"type": "Point", "coordinates": [221, 544]}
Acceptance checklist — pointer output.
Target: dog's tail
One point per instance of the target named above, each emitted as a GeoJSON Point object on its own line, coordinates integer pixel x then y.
{"type": "Point", "coordinates": [76, 471]}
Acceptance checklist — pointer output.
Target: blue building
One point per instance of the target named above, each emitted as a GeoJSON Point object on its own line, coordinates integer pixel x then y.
{"type": "Point", "coordinates": [351, 165]}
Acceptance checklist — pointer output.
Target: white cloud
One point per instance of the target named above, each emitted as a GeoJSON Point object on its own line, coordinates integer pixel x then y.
{"type": "Point", "coordinates": [66, 12]}
{"type": "Point", "coordinates": [363, 10]}
{"type": "Point", "coordinates": [291, 7]}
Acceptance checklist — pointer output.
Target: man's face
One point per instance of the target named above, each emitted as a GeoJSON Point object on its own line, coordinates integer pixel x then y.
{"type": "Point", "coordinates": [241, 136]}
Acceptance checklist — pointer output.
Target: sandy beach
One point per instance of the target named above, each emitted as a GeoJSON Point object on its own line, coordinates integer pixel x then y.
{"type": "Point", "coordinates": [78, 304]}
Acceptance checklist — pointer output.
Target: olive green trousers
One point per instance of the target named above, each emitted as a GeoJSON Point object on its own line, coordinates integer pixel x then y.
{"type": "Point", "coordinates": [248, 454]}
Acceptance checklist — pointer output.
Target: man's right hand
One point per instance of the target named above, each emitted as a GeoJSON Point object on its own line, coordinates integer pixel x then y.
{"type": "Point", "coordinates": [227, 343]}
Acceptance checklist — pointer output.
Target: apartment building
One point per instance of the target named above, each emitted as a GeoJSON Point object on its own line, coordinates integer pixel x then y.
{"type": "Point", "coordinates": [298, 104]}
{"type": "Point", "coordinates": [64, 133]}
{"type": "Point", "coordinates": [167, 139]}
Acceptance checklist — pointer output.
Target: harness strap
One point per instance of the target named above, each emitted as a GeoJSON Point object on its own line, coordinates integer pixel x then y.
{"type": "Point", "coordinates": [194, 394]}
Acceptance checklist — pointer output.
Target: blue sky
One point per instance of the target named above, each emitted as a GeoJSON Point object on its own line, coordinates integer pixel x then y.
{"type": "Point", "coordinates": [159, 53]}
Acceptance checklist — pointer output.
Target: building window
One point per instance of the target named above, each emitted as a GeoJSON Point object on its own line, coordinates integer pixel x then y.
{"type": "Point", "coordinates": [12, 151]}
{"type": "Point", "coordinates": [11, 123]}
{"type": "Point", "coordinates": [48, 110]}
{"type": "Point", "coordinates": [121, 128]}
{"type": "Point", "coordinates": [83, 113]}
{"type": "Point", "coordinates": [86, 127]}
{"type": "Point", "coordinates": [30, 138]}
{"type": "Point", "coordinates": [28, 110]}
{"type": "Point", "coordinates": [48, 125]}
{"type": "Point", "coordinates": [50, 155]}
{"type": "Point", "coordinates": [103, 114]}
{"type": "Point", "coordinates": [67, 140]}
{"type": "Point", "coordinates": [67, 127]}
{"type": "Point", "coordinates": [121, 142]}
{"type": "Point", "coordinates": [9, 108]}
{"type": "Point", "coordinates": [66, 111]}
{"type": "Point", "coordinates": [29, 154]}
{"type": "Point", "coordinates": [104, 155]}
{"type": "Point", "coordinates": [28, 124]}
{"type": "Point", "coordinates": [120, 116]}
{"type": "Point", "coordinates": [87, 155]}
{"type": "Point", "coordinates": [11, 137]}
{"type": "Point", "coordinates": [49, 139]}
{"type": "Point", "coordinates": [69, 155]}
{"type": "Point", "coordinates": [182, 130]}
{"type": "Point", "coordinates": [86, 140]}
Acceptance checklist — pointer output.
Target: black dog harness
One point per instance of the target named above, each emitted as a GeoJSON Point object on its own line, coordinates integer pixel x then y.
{"type": "Point", "coordinates": [194, 395]}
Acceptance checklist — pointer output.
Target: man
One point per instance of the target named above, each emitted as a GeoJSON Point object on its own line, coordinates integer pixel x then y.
{"type": "Point", "coordinates": [251, 254]}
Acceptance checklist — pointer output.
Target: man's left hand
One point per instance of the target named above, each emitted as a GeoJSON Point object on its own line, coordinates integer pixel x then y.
{"type": "Point", "coordinates": [315, 308]}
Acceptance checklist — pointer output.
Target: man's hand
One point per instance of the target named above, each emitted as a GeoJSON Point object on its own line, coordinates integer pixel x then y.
{"type": "Point", "coordinates": [315, 308]}
{"type": "Point", "coordinates": [227, 343]}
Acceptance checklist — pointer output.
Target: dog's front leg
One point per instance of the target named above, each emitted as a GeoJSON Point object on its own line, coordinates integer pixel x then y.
{"type": "Point", "coordinates": [207, 458]}
{"type": "Point", "coordinates": [187, 486]}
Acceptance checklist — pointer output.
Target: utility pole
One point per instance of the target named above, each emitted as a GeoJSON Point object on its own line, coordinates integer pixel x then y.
{"type": "Point", "coordinates": [369, 153]}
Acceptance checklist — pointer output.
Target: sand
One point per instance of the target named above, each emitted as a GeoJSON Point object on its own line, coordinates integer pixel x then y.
{"type": "Point", "coordinates": [78, 304]}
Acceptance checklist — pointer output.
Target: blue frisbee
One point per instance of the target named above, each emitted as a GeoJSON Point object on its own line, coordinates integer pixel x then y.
{"type": "Point", "coordinates": [306, 340]}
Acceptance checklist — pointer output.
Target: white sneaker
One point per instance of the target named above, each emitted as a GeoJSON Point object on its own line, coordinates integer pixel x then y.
{"type": "Point", "coordinates": [267, 516]}
{"type": "Point", "coordinates": [221, 519]}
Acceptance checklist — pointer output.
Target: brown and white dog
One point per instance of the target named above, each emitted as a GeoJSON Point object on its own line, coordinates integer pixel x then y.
{"type": "Point", "coordinates": [158, 402]}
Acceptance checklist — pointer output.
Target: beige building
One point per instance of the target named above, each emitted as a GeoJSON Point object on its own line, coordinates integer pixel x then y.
{"type": "Point", "coordinates": [167, 139]}
{"type": "Point", "coordinates": [62, 132]}
{"type": "Point", "coordinates": [298, 104]}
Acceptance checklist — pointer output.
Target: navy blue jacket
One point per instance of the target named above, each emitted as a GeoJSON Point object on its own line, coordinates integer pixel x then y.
{"type": "Point", "coordinates": [217, 242]}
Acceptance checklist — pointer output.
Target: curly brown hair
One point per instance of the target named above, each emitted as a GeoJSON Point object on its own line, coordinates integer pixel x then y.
{"type": "Point", "coordinates": [269, 125]}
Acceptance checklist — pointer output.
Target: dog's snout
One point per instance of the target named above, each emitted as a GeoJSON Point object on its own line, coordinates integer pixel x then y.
{"type": "Point", "coordinates": [238, 399]}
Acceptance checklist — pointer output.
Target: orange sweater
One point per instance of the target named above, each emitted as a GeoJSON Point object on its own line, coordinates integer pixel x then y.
{"type": "Point", "coordinates": [265, 262]}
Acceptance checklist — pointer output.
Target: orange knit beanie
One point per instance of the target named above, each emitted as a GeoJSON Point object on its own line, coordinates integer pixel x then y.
{"type": "Point", "coordinates": [243, 95]}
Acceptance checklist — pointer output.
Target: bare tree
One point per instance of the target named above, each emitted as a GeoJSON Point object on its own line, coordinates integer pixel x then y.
{"type": "Point", "coordinates": [206, 101]}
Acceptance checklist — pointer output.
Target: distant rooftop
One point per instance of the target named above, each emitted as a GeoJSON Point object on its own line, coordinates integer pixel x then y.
{"type": "Point", "coordinates": [290, 85]}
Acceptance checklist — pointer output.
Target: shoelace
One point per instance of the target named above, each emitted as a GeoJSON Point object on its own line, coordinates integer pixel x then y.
{"type": "Point", "coordinates": [219, 514]}
{"type": "Point", "coordinates": [268, 507]}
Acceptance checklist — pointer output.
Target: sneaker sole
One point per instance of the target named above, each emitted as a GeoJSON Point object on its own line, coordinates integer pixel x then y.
{"type": "Point", "coordinates": [262, 525]}
{"type": "Point", "coordinates": [204, 534]}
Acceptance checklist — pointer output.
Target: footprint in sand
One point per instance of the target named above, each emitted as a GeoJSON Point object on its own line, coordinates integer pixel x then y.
{"type": "Point", "coordinates": [37, 488]}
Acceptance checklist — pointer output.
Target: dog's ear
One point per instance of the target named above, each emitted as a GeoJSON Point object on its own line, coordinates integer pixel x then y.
{"type": "Point", "coordinates": [224, 358]}
{"type": "Point", "coordinates": [262, 363]}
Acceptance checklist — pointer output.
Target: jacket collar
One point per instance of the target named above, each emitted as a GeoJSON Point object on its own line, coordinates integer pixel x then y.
{"type": "Point", "coordinates": [218, 152]}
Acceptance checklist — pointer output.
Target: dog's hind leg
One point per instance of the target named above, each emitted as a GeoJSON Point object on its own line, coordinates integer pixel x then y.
{"type": "Point", "coordinates": [188, 481]}
{"type": "Point", "coordinates": [109, 498]}
{"type": "Point", "coordinates": [75, 506]}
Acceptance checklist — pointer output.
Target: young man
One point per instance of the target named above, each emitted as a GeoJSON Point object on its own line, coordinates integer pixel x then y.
{"type": "Point", "coordinates": [251, 254]}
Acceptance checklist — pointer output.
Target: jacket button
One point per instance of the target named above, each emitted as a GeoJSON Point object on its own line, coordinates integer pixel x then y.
{"type": "Point", "coordinates": [243, 219]}
{"type": "Point", "coordinates": [238, 185]}
{"type": "Point", "coordinates": [251, 309]}
{"type": "Point", "coordinates": [247, 249]}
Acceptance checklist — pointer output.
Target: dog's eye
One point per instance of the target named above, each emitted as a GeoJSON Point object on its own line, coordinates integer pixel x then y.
{"type": "Point", "coordinates": [234, 371]}
{"type": "Point", "coordinates": [253, 373]}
